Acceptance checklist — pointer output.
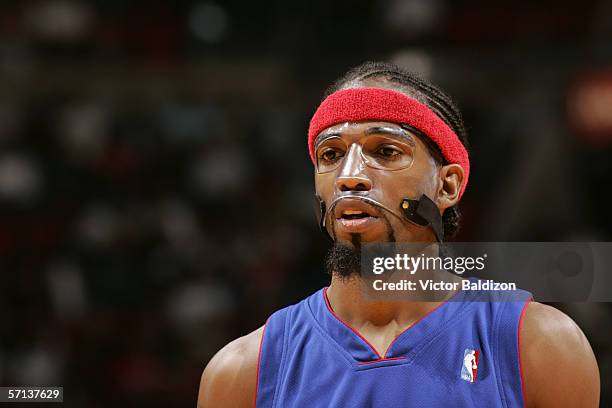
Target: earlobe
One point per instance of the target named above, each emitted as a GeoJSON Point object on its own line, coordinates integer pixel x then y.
{"type": "Point", "coordinates": [451, 179]}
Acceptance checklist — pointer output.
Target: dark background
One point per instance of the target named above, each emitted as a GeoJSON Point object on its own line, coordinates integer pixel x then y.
{"type": "Point", "coordinates": [155, 186]}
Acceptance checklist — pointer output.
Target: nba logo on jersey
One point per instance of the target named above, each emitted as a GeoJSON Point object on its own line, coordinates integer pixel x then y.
{"type": "Point", "coordinates": [470, 365]}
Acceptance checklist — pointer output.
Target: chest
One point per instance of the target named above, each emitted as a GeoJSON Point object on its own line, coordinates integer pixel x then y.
{"type": "Point", "coordinates": [446, 372]}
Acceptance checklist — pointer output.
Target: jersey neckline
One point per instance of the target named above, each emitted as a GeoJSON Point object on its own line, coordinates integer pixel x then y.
{"type": "Point", "coordinates": [361, 350]}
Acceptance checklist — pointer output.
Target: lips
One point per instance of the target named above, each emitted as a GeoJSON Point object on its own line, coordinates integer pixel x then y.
{"type": "Point", "coordinates": [354, 215]}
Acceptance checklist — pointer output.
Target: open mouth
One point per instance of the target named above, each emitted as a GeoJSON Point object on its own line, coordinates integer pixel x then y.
{"type": "Point", "coordinates": [354, 215]}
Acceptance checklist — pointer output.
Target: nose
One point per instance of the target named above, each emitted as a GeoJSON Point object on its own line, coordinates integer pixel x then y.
{"type": "Point", "coordinates": [352, 176]}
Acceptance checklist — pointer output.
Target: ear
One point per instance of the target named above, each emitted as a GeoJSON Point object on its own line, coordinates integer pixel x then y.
{"type": "Point", "coordinates": [451, 179]}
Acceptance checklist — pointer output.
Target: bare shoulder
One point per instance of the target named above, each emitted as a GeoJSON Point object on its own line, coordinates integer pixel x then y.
{"type": "Point", "coordinates": [558, 364]}
{"type": "Point", "coordinates": [230, 378]}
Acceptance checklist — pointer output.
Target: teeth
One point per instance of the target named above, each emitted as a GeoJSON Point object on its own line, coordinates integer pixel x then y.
{"type": "Point", "coordinates": [352, 212]}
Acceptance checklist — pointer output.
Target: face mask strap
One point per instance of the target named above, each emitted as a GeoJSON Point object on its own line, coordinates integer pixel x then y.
{"type": "Point", "coordinates": [424, 212]}
{"type": "Point", "coordinates": [320, 210]}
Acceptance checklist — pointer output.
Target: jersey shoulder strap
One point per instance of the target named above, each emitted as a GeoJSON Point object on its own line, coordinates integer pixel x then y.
{"type": "Point", "coordinates": [276, 337]}
{"type": "Point", "coordinates": [506, 345]}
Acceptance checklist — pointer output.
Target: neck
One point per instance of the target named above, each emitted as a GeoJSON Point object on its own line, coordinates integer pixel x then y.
{"type": "Point", "coordinates": [347, 300]}
{"type": "Point", "coordinates": [346, 296]}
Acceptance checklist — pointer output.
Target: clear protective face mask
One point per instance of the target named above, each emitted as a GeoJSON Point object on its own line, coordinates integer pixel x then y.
{"type": "Point", "coordinates": [381, 148]}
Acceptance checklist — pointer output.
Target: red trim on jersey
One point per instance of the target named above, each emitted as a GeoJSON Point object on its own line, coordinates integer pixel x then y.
{"type": "Point", "coordinates": [419, 319]}
{"type": "Point", "coordinates": [519, 352]}
{"type": "Point", "coordinates": [381, 358]}
{"type": "Point", "coordinates": [259, 361]}
{"type": "Point", "coordinates": [348, 325]}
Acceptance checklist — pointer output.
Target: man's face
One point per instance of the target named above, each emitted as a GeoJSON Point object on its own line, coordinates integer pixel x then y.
{"type": "Point", "coordinates": [376, 160]}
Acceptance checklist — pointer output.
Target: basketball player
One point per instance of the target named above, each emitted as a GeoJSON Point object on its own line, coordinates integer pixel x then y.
{"type": "Point", "coordinates": [388, 148]}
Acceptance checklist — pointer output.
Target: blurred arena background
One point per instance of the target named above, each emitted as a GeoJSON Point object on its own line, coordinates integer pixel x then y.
{"type": "Point", "coordinates": [155, 186]}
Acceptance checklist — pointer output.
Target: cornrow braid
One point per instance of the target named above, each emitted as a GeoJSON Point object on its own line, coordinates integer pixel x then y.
{"type": "Point", "coordinates": [426, 93]}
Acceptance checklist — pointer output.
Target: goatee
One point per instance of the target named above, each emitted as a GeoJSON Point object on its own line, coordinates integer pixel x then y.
{"type": "Point", "coordinates": [344, 260]}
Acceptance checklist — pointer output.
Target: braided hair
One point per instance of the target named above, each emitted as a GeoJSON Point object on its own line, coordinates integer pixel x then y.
{"type": "Point", "coordinates": [429, 95]}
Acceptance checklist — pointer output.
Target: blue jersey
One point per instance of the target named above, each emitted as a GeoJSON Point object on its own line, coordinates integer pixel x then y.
{"type": "Point", "coordinates": [464, 353]}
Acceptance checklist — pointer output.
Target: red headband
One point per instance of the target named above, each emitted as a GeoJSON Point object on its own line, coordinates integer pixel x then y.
{"type": "Point", "coordinates": [359, 104]}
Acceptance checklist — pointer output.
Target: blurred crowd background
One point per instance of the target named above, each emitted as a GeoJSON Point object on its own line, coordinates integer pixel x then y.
{"type": "Point", "coordinates": [156, 195]}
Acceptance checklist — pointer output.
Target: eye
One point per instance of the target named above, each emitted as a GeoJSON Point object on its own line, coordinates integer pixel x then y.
{"type": "Point", "coordinates": [330, 155]}
{"type": "Point", "coordinates": [388, 152]}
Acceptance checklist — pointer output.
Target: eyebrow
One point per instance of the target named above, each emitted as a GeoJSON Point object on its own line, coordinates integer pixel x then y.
{"type": "Point", "coordinates": [384, 130]}
{"type": "Point", "coordinates": [374, 130]}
